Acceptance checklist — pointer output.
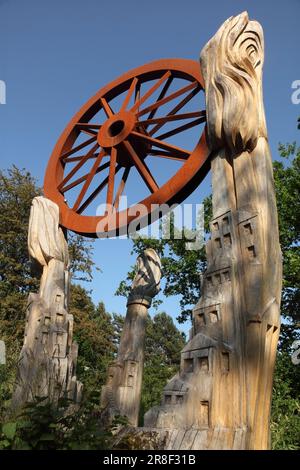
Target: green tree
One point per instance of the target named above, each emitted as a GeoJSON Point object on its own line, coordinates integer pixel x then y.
{"type": "Point", "coordinates": [287, 185]}
{"type": "Point", "coordinates": [94, 332]}
{"type": "Point", "coordinates": [180, 267]}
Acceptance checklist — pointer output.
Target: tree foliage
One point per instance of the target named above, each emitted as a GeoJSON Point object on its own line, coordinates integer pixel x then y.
{"type": "Point", "coordinates": [163, 345]}
{"type": "Point", "coordinates": [287, 185]}
{"type": "Point", "coordinates": [180, 267]}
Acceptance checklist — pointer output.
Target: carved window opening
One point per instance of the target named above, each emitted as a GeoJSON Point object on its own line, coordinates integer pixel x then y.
{"type": "Point", "coordinates": [44, 337]}
{"type": "Point", "coordinates": [227, 240]}
{"type": "Point", "coordinates": [168, 399]}
{"type": "Point", "coordinates": [213, 316]}
{"type": "Point", "coordinates": [225, 221]}
{"type": "Point", "coordinates": [226, 276]}
{"type": "Point", "coordinates": [225, 361]}
{"type": "Point", "coordinates": [218, 243]}
{"type": "Point", "coordinates": [217, 278]}
{"type": "Point", "coordinates": [248, 229]}
{"type": "Point", "coordinates": [59, 318]}
{"type": "Point", "coordinates": [203, 364]}
{"type": "Point", "coordinates": [201, 319]}
{"type": "Point", "coordinates": [59, 338]}
{"type": "Point", "coordinates": [209, 281]}
{"type": "Point", "coordinates": [251, 251]}
{"type": "Point", "coordinates": [47, 320]}
{"type": "Point", "coordinates": [179, 399]}
{"type": "Point", "coordinates": [130, 380]}
{"type": "Point", "coordinates": [188, 365]}
{"type": "Point", "coordinates": [58, 298]}
{"type": "Point", "coordinates": [215, 226]}
{"type": "Point", "coordinates": [204, 413]}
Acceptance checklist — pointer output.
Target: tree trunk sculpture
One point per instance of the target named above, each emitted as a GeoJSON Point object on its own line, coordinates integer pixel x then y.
{"type": "Point", "coordinates": [221, 397]}
{"type": "Point", "coordinates": [47, 363]}
{"type": "Point", "coordinates": [122, 393]}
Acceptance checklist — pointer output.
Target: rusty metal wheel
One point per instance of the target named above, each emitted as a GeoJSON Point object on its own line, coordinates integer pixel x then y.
{"type": "Point", "coordinates": [117, 132]}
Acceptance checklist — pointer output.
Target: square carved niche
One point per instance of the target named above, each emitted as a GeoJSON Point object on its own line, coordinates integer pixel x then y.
{"type": "Point", "coordinates": [203, 364]}
{"type": "Point", "coordinates": [201, 319]}
{"type": "Point", "coordinates": [225, 361]}
{"type": "Point", "coordinates": [203, 418]}
{"type": "Point", "coordinates": [59, 317]}
{"type": "Point", "coordinates": [218, 243]}
{"type": "Point", "coordinates": [188, 364]}
{"type": "Point", "coordinates": [213, 316]}
{"type": "Point", "coordinates": [213, 313]}
{"type": "Point", "coordinates": [130, 380]}
{"type": "Point", "coordinates": [59, 338]}
{"type": "Point", "coordinates": [227, 240]}
{"type": "Point", "coordinates": [168, 399]}
{"type": "Point", "coordinates": [179, 399]}
{"type": "Point", "coordinates": [248, 228]}
{"type": "Point", "coordinates": [251, 252]}
{"type": "Point", "coordinates": [225, 222]}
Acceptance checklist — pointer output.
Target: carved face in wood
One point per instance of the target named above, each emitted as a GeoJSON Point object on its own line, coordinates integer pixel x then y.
{"type": "Point", "coordinates": [231, 64]}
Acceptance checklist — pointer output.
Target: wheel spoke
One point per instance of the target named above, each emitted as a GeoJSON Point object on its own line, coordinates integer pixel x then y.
{"type": "Point", "coordinates": [121, 187]}
{"type": "Point", "coordinates": [177, 108]}
{"type": "Point", "coordinates": [129, 94]}
{"type": "Point", "coordinates": [175, 117]}
{"type": "Point", "coordinates": [79, 147]}
{"type": "Point", "coordinates": [88, 180]}
{"type": "Point", "coordinates": [95, 192]}
{"type": "Point", "coordinates": [161, 144]}
{"type": "Point", "coordinates": [77, 159]}
{"type": "Point", "coordinates": [189, 125]}
{"type": "Point", "coordinates": [78, 166]}
{"type": "Point", "coordinates": [111, 176]}
{"type": "Point", "coordinates": [141, 167]}
{"type": "Point", "coordinates": [161, 95]}
{"type": "Point", "coordinates": [137, 93]}
{"type": "Point", "coordinates": [83, 178]}
{"type": "Point", "coordinates": [139, 102]}
{"type": "Point", "coordinates": [89, 131]}
{"type": "Point", "coordinates": [107, 109]}
{"type": "Point", "coordinates": [168, 98]}
{"type": "Point", "coordinates": [83, 125]}
{"type": "Point", "coordinates": [162, 154]}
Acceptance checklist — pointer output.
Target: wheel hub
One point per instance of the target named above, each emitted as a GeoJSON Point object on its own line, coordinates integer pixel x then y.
{"type": "Point", "coordinates": [116, 129]}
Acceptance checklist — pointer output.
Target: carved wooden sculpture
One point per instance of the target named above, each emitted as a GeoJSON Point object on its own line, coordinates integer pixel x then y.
{"type": "Point", "coordinates": [48, 358]}
{"type": "Point", "coordinates": [122, 393]}
{"type": "Point", "coordinates": [221, 397]}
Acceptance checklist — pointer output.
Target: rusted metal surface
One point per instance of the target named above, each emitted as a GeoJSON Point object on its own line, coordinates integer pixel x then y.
{"type": "Point", "coordinates": [127, 137]}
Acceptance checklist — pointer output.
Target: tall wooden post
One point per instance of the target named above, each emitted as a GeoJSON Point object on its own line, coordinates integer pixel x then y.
{"type": "Point", "coordinates": [47, 364]}
{"type": "Point", "coordinates": [221, 397]}
{"type": "Point", "coordinates": [122, 393]}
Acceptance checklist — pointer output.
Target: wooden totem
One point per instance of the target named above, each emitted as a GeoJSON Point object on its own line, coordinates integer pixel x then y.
{"type": "Point", "coordinates": [122, 393]}
{"type": "Point", "coordinates": [221, 397]}
{"type": "Point", "coordinates": [47, 364]}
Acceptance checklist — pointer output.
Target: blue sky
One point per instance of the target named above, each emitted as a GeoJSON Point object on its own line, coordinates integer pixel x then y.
{"type": "Point", "coordinates": [54, 55]}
